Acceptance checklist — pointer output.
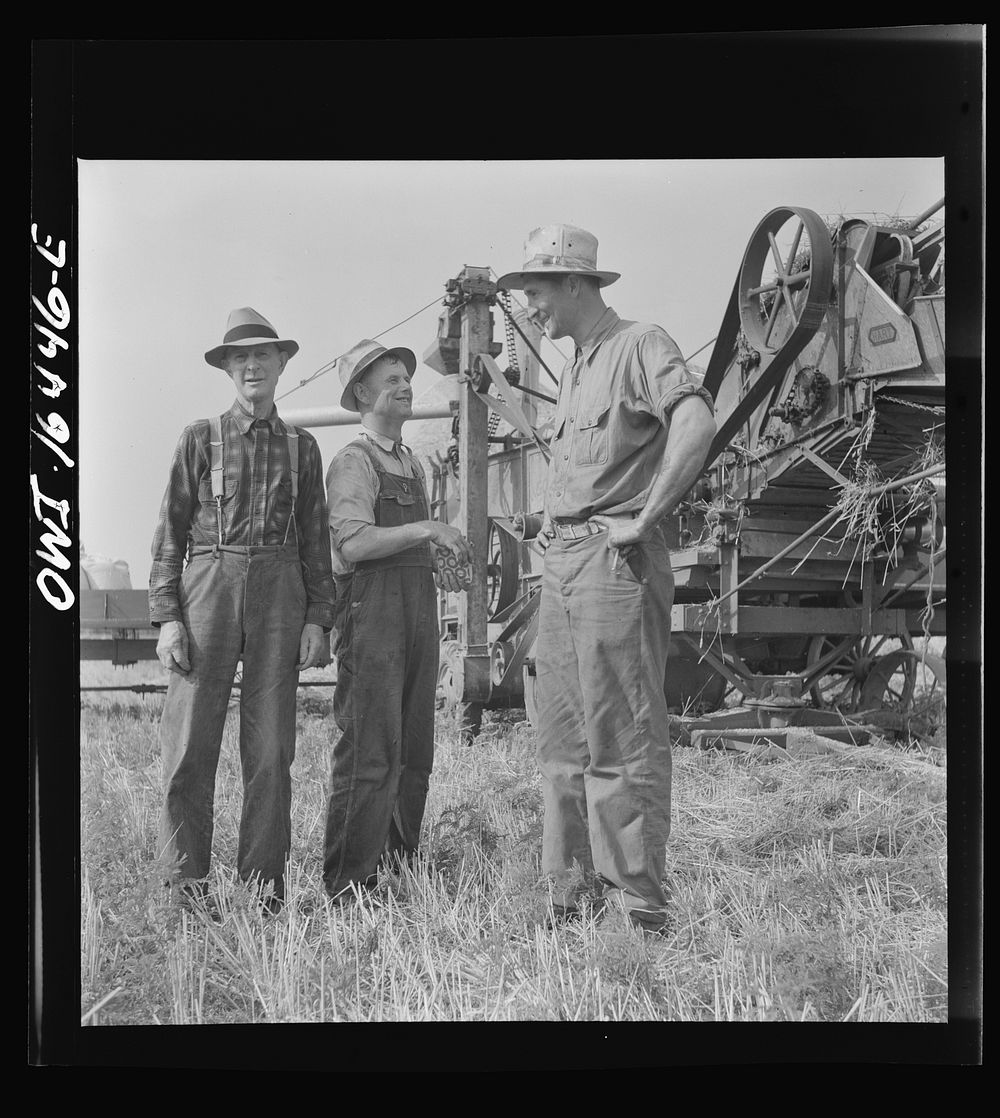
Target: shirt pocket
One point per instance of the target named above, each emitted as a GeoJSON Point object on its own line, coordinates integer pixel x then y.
{"type": "Point", "coordinates": [205, 495]}
{"type": "Point", "coordinates": [280, 504]}
{"type": "Point", "coordinates": [593, 436]}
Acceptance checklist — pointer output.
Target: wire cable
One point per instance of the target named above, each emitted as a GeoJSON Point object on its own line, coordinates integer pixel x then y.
{"type": "Point", "coordinates": [330, 364]}
{"type": "Point", "coordinates": [697, 351]}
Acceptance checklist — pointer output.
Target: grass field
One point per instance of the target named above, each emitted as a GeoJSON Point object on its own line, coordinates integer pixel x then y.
{"type": "Point", "coordinates": [810, 889]}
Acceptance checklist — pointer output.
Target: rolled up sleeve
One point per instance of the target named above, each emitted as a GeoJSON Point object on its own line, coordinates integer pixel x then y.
{"type": "Point", "coordinates": [351, 489]}
{"type": "Point", "coordinates": [662, 377]}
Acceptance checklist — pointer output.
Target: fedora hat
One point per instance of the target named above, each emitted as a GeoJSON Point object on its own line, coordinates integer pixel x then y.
{"type": "Point", "coordinates": [247, 327]}
{"type": "Point", "coordinates": [357, 360]}
{"type": "Point", "coordinates": [558, 250]}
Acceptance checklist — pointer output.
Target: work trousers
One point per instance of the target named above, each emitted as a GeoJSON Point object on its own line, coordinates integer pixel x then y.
{"type": "Point", "coordinates": [387, 665]}
{"type": "Point", "coordinates": [249, 603]}
{"type": "Point", "coordinates": [603, 738]}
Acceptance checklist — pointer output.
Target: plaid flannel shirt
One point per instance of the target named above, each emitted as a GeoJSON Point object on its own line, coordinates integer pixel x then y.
{"type": "Point", "coordinates": [256, 507]}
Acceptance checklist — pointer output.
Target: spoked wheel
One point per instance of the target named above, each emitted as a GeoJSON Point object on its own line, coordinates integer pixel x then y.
{"type": "Point", "coordinates": [446, 683]}
{"type": "Point", "coordinates": [868, 674]}
{"type": "Point", "coordinates": [786, 277]}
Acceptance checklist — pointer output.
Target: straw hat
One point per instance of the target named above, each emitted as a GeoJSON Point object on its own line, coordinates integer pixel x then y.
{"type": "Point", "coordinates": [558, 250]}
{"type": "Point", "coordinates": [353, 365]}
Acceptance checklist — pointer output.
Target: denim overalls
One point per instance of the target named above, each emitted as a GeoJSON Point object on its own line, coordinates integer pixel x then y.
{"type": "Point", "coordinates": [387, 666]}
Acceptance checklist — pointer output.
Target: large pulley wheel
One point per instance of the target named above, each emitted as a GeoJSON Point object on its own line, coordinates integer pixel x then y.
{"type": "Point", "coordinates": [868, 675]}
{"type": "Point", "coordinates": [786, 278]}
{"type": "Point", "coordinates": [502, 569]}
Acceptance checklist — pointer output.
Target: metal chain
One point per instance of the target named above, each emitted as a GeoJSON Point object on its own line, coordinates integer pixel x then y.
{"type": "Point", "coordinates": [503, 298]}
{"type": "Point", "coordinates": [911, 404]}
{"type": "Point", "coordinates": [508, 322]}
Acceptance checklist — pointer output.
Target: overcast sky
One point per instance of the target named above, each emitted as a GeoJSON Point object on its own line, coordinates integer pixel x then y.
{"type": "Point", "coordinates": [332, 252]}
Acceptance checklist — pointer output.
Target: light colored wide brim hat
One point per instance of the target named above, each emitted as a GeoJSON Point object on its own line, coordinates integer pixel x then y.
{"type": "Point", "coordinates": [247, 327]}
{"type": "Point", "coordinates": [558, 250]}
{"type": "Point", "coordinates": [352, 366]}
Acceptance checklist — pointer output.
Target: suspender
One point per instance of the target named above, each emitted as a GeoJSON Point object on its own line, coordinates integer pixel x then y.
{"type": "Point", "coordinates": [293, 463]}
{"type": "Point", "coordinates": [218, 489]}
{"type": "Point", "coordinates": [217, 460]}
{"type": "Point", "coordinates": [365, 445]}
{"type": "Point", "coordinates": [293, 460]}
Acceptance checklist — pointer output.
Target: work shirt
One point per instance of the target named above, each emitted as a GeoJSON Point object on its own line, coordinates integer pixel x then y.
{"type": "Point", "coordinates": [352, 486]}
{"type": "Point", "coordinates": [612, 418]}
{"type": "Point", "coordinates": [256, 507]}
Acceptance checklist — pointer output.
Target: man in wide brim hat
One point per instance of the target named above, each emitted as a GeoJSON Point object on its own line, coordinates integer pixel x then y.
{"type": "Point", "coordinates": [632, 428]}
{"type": "Point", "coordinates": [353, 365]}
{"type": "Point", "coordinates": [247, 328]}
{"type": "Point", "coordinates": [241, 572]}
{"type": "Point", "coordinates": [558, 250]}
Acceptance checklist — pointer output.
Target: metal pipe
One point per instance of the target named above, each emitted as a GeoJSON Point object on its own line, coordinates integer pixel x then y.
{"type": "Point", "coordinates": [160, 688]}
{"type": "Point", "coordinates": [918, 221]}
{"type": "Point", "coordinates": [326, 416]}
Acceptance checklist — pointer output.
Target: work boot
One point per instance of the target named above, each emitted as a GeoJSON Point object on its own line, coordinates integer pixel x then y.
{"type": "Point", "coordinates": [368, 889]}
{"type": "Point", "coordinates": [194, 897]}
{"type": "Point", "coordinates": [563, 914]}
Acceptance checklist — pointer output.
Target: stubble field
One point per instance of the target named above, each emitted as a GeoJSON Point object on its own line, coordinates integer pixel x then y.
{"type": "Point", "coordinates": [804, 889]}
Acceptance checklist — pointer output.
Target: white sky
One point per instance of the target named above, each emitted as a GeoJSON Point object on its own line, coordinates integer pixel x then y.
{"type": "Point", "coordinates": [332, 252]}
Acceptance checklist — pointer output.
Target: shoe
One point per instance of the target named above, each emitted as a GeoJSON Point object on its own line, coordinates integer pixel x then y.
{"type": "Point", "coordinates": [663, 931]}
{"type": "Point", "coordinates": [195, 898]}
{"type": "Point", "coordinates": [393, 861]}
{"type": "Point", "coordinates": [271, 905]}
{"type": "Point", "coordinates": [265, 893]}
{"type": "Point", "coordinates": [563, 914]}
{"type": "Point", "coordinates": [368, 889]}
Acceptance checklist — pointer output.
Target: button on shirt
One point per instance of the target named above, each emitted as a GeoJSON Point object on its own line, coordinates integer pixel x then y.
{"type": "Point", "coordinates": [612, 418]}
{"type": "Point", "coordinates": [352, 487]}
{"type": "Point", "coordinates": [256, 505]}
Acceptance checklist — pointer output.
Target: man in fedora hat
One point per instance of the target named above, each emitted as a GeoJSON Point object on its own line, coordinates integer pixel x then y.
{"type": "Point", "coordinates": [384, 546]}
{"type": "Point", "coordinates": [631, 432]}
{"type": "Point", "coordinates": [245, 507]}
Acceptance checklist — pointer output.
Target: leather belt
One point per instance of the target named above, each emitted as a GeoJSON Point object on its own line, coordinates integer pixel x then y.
{"type": "Point", "coordinates": [576, 531]}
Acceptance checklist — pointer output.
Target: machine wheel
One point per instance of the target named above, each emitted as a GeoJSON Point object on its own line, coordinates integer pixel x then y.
{"type": "Point", "coordinates": [867, 676]}
{"type": "Point", "coordinates": [447, 686]}
{"type": "Point", "coordinates": [449, 692]}
{"type": "Point", "coordinates": [786, 277]}
{"type": "Point", "coordinates": [502, 569]}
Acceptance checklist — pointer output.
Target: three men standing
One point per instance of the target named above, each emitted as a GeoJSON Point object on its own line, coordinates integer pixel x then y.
{"type": "Point", "coordinates": [244, 505]}
{"type": "Point", "coordinates": [382, 537]}
{"type": "Point", "coordinates": [632, 429]}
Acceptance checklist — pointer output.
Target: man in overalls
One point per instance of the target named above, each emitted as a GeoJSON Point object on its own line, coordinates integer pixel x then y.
{"type": "Point", "coordinates": [384, 544]}
{"type": "Point", "coordinates": [245, 505]}
{"type": "Point", "coordinates": [631, 431]}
